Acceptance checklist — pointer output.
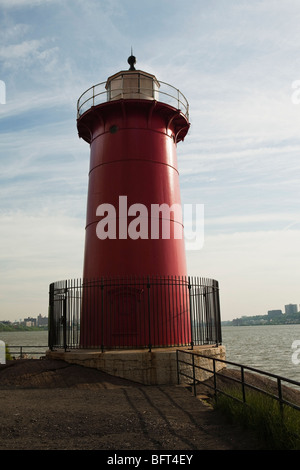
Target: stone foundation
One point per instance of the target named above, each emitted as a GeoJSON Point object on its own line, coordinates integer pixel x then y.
{"type": "Point", "coordinates": [157, 367]}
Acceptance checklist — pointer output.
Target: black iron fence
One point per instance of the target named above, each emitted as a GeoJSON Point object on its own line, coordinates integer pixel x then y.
{"type": "Point", "coordinates": [120, 313]}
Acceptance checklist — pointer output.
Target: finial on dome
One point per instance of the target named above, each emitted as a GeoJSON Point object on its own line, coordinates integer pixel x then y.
{"type": "Point", "coordinates": [131, 61]}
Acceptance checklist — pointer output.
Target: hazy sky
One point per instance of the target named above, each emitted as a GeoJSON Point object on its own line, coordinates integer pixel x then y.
{"type": "Point", "coordinates": [238, 64]}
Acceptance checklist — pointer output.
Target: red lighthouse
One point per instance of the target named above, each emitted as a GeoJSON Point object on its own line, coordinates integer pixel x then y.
{"type": "Point", "coordinates": [134, 225]}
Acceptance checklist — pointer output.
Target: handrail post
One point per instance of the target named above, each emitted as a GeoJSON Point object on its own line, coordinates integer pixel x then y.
{"type": "Point", "coordinates": [243, 384]}
{"type": "Point", "coordinates": [280, 395]}
{"type": "Point", "coordinates": [177, 362]}
{"type": "Point", "coordinates": [215, 377]}
{"type": "Point", "coordinates": [194, 378]}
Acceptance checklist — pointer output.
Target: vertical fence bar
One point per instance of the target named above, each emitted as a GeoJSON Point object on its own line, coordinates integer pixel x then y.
{"type": "Point", "coordinates": [216, 310]}
{"type": "Point", "coordinates": [50, 317]}
{"type": "Point", "coordinates": [149, 314]}
{"type": "Point", "coordinates": [280, 395]}
{"type": "Point", "coordinates": [194, 375]}
{"type": "Point", "coordinates": [215, 378]}
{"type": "Point", "coordinates": [191, 313]}
{"type": "Point", "coordinates": [64, 319]}
{"type": "Point", "coordinates": [243, 384]}
{"type": "Point", "coordinates": [102, 315]}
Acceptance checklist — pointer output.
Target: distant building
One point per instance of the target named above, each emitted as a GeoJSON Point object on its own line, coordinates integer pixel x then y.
{"type": "Point", "coordinates": [274, 313]}
{"type": "Point", "coordinates": [291, 308]}
{"type": "Point", "coordinates": [42, 321]}
{"type": "Point", "coordinates": [30, 321]}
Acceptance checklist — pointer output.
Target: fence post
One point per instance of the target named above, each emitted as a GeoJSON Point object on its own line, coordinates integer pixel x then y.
{"type": "Point", "coordinates": [191, 313]}
{"type": "Point", "coordinates": [280, 395]}
{"type": "Point", "coordinates": [215, 378]}
{"type": "Point", "coordinates": [149, 320]}
{"type": "Point", "coordinates": [177, 362]}
{"type": "Point", "coordinates": [194, 378]}
{"type": "Point", "coordinates": [217, 315]}
{"type": "Point", "coordinates": [65, 316]}
{"type": "Point", "coordinates": [243, 384]}
{"type": "Point", "coordinates": [50, 317]}
{"type": "Point", "coordinates": [102, 315]}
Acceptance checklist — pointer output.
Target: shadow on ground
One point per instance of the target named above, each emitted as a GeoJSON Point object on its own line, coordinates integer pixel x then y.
{"type": "Point", "coordinates": [53, 405]}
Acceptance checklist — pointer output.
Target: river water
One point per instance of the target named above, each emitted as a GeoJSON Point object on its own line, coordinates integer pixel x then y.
{"type": "Point", "coordinates": [268, 348]}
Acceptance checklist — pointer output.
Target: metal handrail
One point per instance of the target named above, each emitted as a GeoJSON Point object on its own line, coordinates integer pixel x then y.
{"type": "Point", "coordinates": [279, 379]}
{"type": "Point", "coordinates": [98, 94]}
{"type": "Point", "coordinates": [26, 350]}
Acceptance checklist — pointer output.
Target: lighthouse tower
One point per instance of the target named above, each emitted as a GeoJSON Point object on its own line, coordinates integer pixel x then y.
{"type": "Point", "coordinates": [134, 225]}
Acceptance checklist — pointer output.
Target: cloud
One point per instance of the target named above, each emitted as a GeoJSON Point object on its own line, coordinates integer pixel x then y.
{"type": "Point", "coordinates": [256, 271]}
{"type": "Point", "coordinates": [20, 51]}
{"type": "Point", "coordinates": [36, 249]}
{"type": "Point", "coordinates": [24, 3]}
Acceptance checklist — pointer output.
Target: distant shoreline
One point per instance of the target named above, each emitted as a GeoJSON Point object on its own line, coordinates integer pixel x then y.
{"type": "Point", "coordinates": [13, 329]}
{"type": "Point", "coordinates": [261, 320]}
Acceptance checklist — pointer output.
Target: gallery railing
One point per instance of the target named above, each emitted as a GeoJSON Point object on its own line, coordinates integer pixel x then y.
{"type": "Point", "coordinates": [120, 313]}
{"type": "Point", "coordinates": [165, 93]}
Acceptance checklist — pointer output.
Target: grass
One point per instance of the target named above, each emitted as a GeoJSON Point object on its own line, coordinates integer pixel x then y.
{"type": "Point", "coordinates": [278, 428]}
{"type": "Point", "coordinates": [7, 353]}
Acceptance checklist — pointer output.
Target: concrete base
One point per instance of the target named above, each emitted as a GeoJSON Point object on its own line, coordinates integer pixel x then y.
{"type": "Point", "coordinates": [157, 367]}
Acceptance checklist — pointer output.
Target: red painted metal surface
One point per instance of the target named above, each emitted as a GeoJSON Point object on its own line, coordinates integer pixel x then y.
{"type": "Point", "coordinates": [132, 155]}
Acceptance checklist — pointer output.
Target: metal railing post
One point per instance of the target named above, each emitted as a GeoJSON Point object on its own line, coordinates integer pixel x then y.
{"type": "Point", "coordinates": [280, 395]}
{"type": "Point", "coordinates": [243, 384]}
{"type": "Point", "coordinates": [194, 377]}
{"type": "Point", "coordinates": [177, 362]}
